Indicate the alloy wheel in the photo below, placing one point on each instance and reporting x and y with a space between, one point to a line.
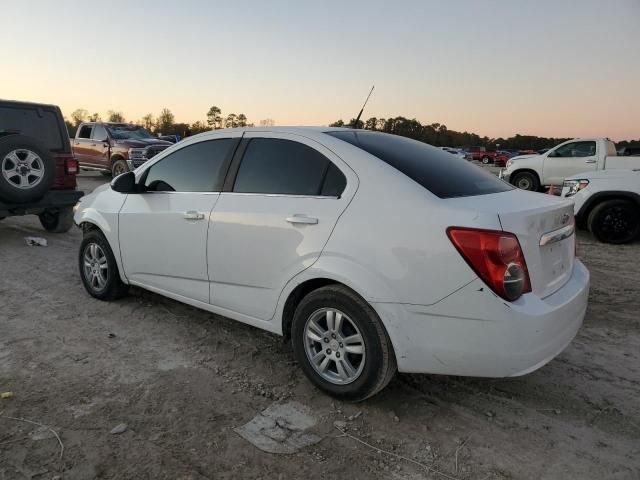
334 346
96 267
22 168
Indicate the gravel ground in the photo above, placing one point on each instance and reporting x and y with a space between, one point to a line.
181 379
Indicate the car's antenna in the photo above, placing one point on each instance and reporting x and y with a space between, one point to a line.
355 124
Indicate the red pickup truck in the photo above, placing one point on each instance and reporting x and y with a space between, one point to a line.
481 154
114 148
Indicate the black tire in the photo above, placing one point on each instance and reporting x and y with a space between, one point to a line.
526 181
118 168
57 221
615 221
113 288
20 158
485 160
378 362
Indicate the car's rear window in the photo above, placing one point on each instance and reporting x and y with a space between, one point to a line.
40 123
441 173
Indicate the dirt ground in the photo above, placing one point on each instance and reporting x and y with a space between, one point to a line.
181 379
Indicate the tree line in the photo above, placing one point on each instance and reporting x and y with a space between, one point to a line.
439 135
435 133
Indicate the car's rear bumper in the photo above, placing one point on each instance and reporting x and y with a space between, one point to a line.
53 199
474 333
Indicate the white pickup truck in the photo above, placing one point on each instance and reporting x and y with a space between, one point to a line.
532 172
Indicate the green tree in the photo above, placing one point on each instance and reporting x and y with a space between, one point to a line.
95 117
339 123
242 120
231 121
165 122
199 127
147 122
214 117
113 116
78 116
371 124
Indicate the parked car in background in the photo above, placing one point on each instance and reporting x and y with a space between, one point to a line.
170 138
114 148
533 172
480 154
454 151
486 283
37 168
629 151
606 202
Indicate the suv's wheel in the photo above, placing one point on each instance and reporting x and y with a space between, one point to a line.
341 344
98 268
526 181
58 221
27 169
119 167
615 221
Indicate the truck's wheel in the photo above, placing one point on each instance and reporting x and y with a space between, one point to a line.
486 160
27 169
119 167
615 221
59 221
526 181
341 344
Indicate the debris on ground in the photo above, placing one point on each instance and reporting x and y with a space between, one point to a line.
7 395
36 241
281 428
118 429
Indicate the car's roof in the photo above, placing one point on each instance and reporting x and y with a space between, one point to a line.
30 104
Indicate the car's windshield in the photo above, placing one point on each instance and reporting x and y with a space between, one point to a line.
125 132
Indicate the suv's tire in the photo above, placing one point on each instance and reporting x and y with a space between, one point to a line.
98 268
57 221
526 181
118 168
27 169
353 360
615 221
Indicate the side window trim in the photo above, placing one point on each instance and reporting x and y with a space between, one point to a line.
235 141
232 173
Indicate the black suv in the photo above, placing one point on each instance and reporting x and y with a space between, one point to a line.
37 168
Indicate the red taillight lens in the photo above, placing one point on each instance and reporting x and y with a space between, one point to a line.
496 257
71 165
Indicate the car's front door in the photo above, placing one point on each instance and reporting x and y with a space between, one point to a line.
284 203
98 150
163 230
569 159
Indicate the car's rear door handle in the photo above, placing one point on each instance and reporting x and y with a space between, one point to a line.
298 218
193 215
589 161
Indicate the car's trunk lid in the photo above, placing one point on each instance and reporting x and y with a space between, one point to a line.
544 227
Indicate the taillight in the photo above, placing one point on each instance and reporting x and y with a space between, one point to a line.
71 166
496 257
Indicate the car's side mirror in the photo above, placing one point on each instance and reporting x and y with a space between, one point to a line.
124 183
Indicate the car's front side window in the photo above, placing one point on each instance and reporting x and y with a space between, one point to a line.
99 133
285 167
198 167
576 149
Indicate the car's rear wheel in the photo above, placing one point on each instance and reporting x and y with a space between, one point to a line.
98 268
57 221
615 221
526 181
341 344
27 169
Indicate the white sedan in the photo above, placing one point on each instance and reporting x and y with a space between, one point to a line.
371 252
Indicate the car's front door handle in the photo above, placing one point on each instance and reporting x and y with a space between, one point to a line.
298 218
193 215
589 161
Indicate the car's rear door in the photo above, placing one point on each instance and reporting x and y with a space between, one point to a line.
285 195
163 230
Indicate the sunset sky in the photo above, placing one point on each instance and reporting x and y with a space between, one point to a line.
553 68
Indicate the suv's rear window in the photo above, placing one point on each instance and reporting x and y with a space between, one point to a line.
441 173
42 125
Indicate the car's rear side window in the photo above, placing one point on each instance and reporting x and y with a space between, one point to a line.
441 173
39 123
285 167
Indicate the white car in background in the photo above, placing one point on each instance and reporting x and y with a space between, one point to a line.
371 252
607 203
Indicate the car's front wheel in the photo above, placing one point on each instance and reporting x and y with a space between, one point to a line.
526 181
98 268
615 221
341 344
